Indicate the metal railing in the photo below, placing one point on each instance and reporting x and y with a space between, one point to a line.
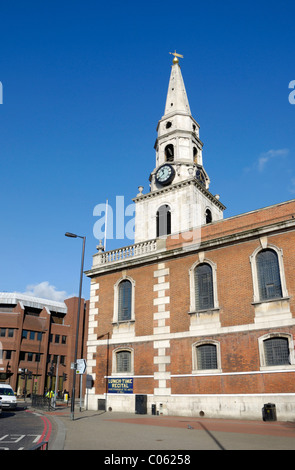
39 401
41 446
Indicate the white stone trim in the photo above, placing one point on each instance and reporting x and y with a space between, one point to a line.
161 359
92 337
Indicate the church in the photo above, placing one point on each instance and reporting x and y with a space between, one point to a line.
197 317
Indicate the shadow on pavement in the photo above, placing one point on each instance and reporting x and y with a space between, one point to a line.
211 436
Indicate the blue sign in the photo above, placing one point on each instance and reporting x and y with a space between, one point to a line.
120 385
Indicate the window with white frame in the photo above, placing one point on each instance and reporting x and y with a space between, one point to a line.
122 362
124 292
206 356
208 216
276 350
124 300
163 221
203 286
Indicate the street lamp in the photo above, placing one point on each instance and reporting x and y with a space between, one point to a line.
73 235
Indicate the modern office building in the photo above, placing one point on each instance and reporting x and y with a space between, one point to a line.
37 342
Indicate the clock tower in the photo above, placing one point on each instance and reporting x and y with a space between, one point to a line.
179 199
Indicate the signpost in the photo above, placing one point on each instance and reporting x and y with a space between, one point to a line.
81 366
56 383
80 370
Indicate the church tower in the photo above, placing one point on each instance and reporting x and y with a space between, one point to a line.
161 325
179 198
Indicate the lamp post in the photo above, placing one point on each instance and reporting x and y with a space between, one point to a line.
73 235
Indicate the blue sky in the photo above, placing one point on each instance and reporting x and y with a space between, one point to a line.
84 85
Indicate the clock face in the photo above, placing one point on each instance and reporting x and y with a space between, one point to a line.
200 177
165 174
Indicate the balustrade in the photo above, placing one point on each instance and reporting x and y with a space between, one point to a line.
124 253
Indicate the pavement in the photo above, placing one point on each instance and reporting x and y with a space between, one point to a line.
114 431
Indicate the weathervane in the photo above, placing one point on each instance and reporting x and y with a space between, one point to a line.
175 60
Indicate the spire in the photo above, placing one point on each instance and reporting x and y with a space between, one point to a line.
178 139
177 101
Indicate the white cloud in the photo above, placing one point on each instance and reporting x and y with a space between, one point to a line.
45 291
267 156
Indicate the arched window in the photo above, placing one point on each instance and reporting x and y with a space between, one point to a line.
169 153
124 300
208 216
204 287
163 220
195 155
206 356
268 275
276 351
123 361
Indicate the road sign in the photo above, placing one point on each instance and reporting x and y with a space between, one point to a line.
89 381
81 366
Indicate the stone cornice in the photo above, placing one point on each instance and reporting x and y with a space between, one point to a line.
177 186
187 249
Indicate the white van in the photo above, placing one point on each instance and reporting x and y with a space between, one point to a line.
7 397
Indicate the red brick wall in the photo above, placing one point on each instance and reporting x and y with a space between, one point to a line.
243 222
239 351
234 281
143 365
144 295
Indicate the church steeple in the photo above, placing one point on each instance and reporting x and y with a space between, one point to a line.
176 101
179 199
178 140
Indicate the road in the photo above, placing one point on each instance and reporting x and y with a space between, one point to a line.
23 429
